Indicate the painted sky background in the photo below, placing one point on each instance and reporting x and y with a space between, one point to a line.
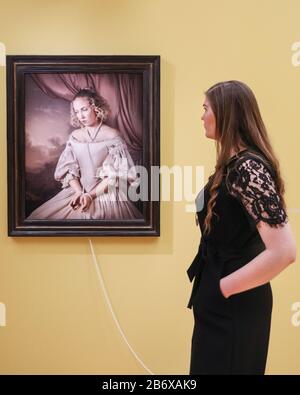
47 126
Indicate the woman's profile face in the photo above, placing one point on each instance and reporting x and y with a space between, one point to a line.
84 112
209 120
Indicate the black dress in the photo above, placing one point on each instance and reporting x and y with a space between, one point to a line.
231 336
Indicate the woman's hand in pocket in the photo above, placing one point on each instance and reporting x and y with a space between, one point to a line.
223 287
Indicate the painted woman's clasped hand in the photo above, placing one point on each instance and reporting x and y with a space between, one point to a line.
85 201
81 200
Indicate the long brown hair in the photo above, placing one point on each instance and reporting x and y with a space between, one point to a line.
238 125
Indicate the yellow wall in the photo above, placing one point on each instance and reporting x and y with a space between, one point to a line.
57 319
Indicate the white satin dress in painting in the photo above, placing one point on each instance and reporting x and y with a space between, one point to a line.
90 163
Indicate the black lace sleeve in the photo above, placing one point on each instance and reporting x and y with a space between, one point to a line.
253 185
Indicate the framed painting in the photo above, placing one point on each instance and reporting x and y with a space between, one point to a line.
83 138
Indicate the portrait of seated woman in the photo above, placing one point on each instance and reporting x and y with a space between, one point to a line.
95 168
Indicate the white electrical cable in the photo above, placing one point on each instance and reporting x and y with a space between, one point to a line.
98 271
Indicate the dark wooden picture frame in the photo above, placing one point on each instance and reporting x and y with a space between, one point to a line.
38 108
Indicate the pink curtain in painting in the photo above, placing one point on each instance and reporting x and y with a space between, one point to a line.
123 93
